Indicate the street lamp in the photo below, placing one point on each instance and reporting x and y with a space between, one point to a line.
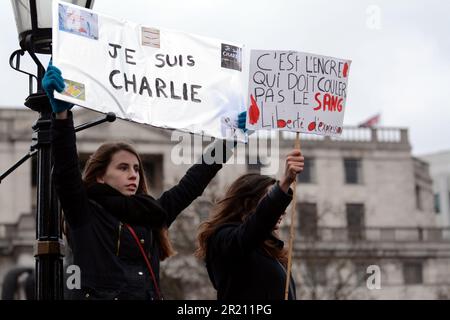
34 26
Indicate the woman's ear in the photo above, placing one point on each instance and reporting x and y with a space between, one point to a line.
100 179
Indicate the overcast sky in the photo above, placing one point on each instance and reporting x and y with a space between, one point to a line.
400 49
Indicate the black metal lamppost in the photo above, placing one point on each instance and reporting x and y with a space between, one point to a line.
34 25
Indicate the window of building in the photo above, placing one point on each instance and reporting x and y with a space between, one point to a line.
355 221
308 173
307 213
253 167
316 274
353 172
153 166
437 203
412 273
361 274
448 199
418 194
203 209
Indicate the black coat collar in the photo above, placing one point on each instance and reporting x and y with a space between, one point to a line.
139 209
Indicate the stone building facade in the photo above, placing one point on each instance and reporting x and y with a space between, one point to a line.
365 223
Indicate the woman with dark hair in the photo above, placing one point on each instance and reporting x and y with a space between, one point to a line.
117 232
244 256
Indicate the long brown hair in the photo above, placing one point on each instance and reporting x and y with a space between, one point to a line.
96 167
240 201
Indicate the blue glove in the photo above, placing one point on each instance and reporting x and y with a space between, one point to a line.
242 120
53 80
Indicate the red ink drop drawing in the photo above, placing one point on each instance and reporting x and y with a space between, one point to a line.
281 123
253 111
345 71
312 126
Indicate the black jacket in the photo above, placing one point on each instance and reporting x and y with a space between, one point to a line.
238 266
111 264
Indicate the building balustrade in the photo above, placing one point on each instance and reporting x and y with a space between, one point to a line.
374 234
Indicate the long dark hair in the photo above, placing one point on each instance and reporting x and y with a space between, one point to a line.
96 167
240 201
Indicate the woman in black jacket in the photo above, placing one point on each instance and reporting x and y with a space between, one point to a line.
244 257
117 232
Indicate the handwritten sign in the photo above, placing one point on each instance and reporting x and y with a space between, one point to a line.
149 75
296 91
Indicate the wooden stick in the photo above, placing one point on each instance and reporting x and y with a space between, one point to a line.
292 229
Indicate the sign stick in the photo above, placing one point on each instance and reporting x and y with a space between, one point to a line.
292 229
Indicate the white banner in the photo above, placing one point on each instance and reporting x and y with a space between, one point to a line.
149 75
296 91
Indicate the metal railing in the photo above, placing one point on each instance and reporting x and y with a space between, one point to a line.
357 134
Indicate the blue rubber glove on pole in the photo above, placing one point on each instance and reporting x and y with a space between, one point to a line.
242 119
53 80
